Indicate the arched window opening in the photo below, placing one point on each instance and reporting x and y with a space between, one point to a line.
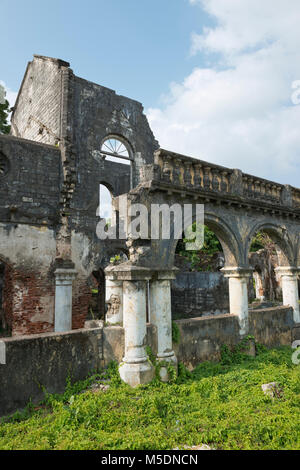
97 305
200 288
116 150
105 208
264 258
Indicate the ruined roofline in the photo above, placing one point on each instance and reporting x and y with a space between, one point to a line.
110 90
62 63
59 62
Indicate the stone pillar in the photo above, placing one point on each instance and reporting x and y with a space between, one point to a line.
161 317
114 300
63 299
290 296
238 295
259 290
136 368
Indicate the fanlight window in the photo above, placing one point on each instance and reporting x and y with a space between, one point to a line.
115 151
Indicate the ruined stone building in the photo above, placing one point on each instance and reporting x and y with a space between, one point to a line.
68 137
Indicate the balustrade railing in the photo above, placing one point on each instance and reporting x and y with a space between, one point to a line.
192 173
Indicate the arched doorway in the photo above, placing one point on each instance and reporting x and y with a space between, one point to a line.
268 249
200 288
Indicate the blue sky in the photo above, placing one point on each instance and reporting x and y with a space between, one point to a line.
216 77
136 47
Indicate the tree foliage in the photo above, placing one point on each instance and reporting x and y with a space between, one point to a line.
4 113
201 260
262 241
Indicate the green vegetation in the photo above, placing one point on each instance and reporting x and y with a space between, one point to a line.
175 333
219 404
263 241
4 113
201 260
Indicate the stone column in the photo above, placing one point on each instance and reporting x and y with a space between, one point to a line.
113 299
136 368
161 317
289 280
63 299
238 295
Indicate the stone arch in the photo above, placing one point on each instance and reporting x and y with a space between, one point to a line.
230 242
124 155
280 237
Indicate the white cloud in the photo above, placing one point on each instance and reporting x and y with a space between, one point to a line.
239 113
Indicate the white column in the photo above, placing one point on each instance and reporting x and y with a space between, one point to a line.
136 368
238 295
289 281
63 299
259 291
114 300
161 317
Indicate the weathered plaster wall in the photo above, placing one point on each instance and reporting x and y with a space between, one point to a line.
272 326
47 360
199 293
37 361
201 338
28 290
30 186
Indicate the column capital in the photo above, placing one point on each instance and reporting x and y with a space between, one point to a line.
237 272
291 271
65 276
165 274
128 272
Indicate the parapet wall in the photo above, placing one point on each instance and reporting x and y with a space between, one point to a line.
38 362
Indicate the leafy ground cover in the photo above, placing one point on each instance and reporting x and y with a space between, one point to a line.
218 404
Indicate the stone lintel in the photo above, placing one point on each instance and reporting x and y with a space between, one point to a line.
287 270
237 272
128 272
65 276
166 274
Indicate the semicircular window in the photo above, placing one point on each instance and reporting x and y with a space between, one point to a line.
4 165
116 151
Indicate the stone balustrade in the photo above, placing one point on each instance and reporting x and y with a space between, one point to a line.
194 174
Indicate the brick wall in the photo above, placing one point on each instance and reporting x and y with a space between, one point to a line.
82 295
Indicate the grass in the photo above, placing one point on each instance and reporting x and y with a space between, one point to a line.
219 404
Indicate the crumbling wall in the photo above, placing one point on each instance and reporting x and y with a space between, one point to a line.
38 107
199 293
47 360
28 293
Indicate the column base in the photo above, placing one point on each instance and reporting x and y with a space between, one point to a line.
165 362
135 374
